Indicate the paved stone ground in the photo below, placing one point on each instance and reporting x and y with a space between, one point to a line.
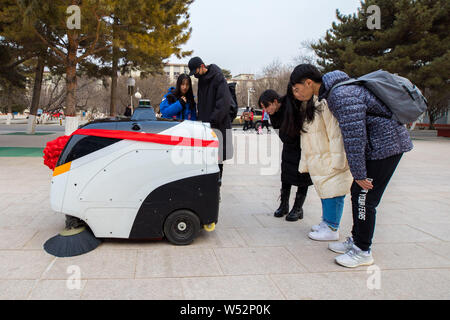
251 254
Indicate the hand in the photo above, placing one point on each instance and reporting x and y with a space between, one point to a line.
184 99
365 184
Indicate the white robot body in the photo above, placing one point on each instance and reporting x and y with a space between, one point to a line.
128 188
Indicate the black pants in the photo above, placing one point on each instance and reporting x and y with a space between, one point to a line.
221 170
247 125
364 203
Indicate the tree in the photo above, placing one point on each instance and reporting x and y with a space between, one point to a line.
29 49
49 22
113 36
274 76
13 81
11 69
12 98
413 42
144 33
152 87
227 74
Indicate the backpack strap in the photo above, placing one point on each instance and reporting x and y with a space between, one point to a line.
346 83
358 82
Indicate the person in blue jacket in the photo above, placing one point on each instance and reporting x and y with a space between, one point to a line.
179 102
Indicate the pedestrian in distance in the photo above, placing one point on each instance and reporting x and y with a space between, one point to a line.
265 120
127 112
246 117
252 117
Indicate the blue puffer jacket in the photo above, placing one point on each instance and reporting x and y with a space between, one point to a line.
367 136
171 107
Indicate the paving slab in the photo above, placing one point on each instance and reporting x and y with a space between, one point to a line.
23 264
255 287
14 238
57 290
360 285
133 289
15 289
243 261
98 264
177 262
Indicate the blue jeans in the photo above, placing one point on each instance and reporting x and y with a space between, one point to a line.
332 209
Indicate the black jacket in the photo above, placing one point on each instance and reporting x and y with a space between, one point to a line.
214 101
290 156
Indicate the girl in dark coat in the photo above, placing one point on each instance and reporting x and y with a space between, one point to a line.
280 111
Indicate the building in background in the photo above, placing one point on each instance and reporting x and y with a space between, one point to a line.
245 84
173 70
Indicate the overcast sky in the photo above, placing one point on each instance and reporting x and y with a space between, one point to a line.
246 35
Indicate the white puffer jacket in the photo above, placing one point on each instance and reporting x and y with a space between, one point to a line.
323 154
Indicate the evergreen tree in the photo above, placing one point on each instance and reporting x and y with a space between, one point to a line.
413 42
144 33
227 74
135 34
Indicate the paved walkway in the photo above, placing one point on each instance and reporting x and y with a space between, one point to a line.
250 255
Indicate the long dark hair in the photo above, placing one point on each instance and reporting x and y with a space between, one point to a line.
308 112
303 72
189 94
291 121
267 97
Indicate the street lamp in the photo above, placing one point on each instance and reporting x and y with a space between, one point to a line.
138 95
249 90
131 83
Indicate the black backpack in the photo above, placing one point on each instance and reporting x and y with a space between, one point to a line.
234 104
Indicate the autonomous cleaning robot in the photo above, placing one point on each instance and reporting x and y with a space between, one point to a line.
140 178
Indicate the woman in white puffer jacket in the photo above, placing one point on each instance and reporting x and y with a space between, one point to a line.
323 156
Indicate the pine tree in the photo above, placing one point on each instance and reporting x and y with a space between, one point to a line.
47 21
144 33
28 51
413 42
115 35
227 74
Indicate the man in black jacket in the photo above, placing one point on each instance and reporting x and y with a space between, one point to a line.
214 101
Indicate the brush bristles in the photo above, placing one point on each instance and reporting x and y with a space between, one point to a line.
70 246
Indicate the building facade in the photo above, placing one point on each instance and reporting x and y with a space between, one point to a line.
173 70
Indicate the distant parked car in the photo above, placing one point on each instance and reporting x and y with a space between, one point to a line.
257 116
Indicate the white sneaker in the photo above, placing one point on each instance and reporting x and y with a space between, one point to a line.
324 234
341 247
317 227
355 257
